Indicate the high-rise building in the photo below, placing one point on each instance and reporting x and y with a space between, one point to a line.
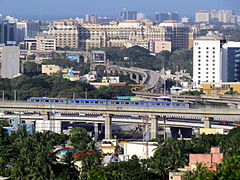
128 15
9 61
225 15
140 16
231 56
202 16
7 33
66 33
177 33
208 63
89 18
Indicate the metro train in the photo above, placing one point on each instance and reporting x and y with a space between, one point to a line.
101 102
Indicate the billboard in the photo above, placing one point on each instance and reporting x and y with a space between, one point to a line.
74 73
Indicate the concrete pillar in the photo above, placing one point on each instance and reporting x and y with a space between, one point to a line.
207 122
108 126
154 127
46 116
96 131
131 76
138 78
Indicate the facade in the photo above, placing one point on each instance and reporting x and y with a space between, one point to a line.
209 160
208 65
220 88
50 69
8 33
27 29
128 15
9 61
215 16
40 43
139 149
177 33
66 33
140 16
202 16
118 34
89 18
231 54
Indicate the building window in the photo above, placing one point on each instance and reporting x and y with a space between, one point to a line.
206 72
206 64
199 64
213 72
206 76
213 47
199 72
213 64
207 56
206 47
206 68
199 68
213 68
199 56
199 52
199 47
199 76
213 52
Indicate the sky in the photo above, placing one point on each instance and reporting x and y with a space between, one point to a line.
42 9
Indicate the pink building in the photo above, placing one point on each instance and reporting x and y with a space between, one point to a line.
210 160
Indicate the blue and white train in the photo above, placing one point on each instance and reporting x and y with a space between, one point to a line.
101 102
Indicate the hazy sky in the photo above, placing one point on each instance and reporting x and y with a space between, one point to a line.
73 8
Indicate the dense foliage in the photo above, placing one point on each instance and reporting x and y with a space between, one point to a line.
55 86
25 156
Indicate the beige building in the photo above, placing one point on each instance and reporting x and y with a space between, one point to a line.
119 34
50 69
202 16
66 33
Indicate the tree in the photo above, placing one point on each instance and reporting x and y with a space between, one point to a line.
31 68
80 140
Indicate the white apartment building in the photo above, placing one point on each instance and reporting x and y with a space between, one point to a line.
41 43
9 61
208 64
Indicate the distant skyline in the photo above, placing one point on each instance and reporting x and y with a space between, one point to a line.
50 9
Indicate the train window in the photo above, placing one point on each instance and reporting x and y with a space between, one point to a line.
57 101
96 102
136 103
77 101
117 102
86 101
37 100
127 103
46 100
